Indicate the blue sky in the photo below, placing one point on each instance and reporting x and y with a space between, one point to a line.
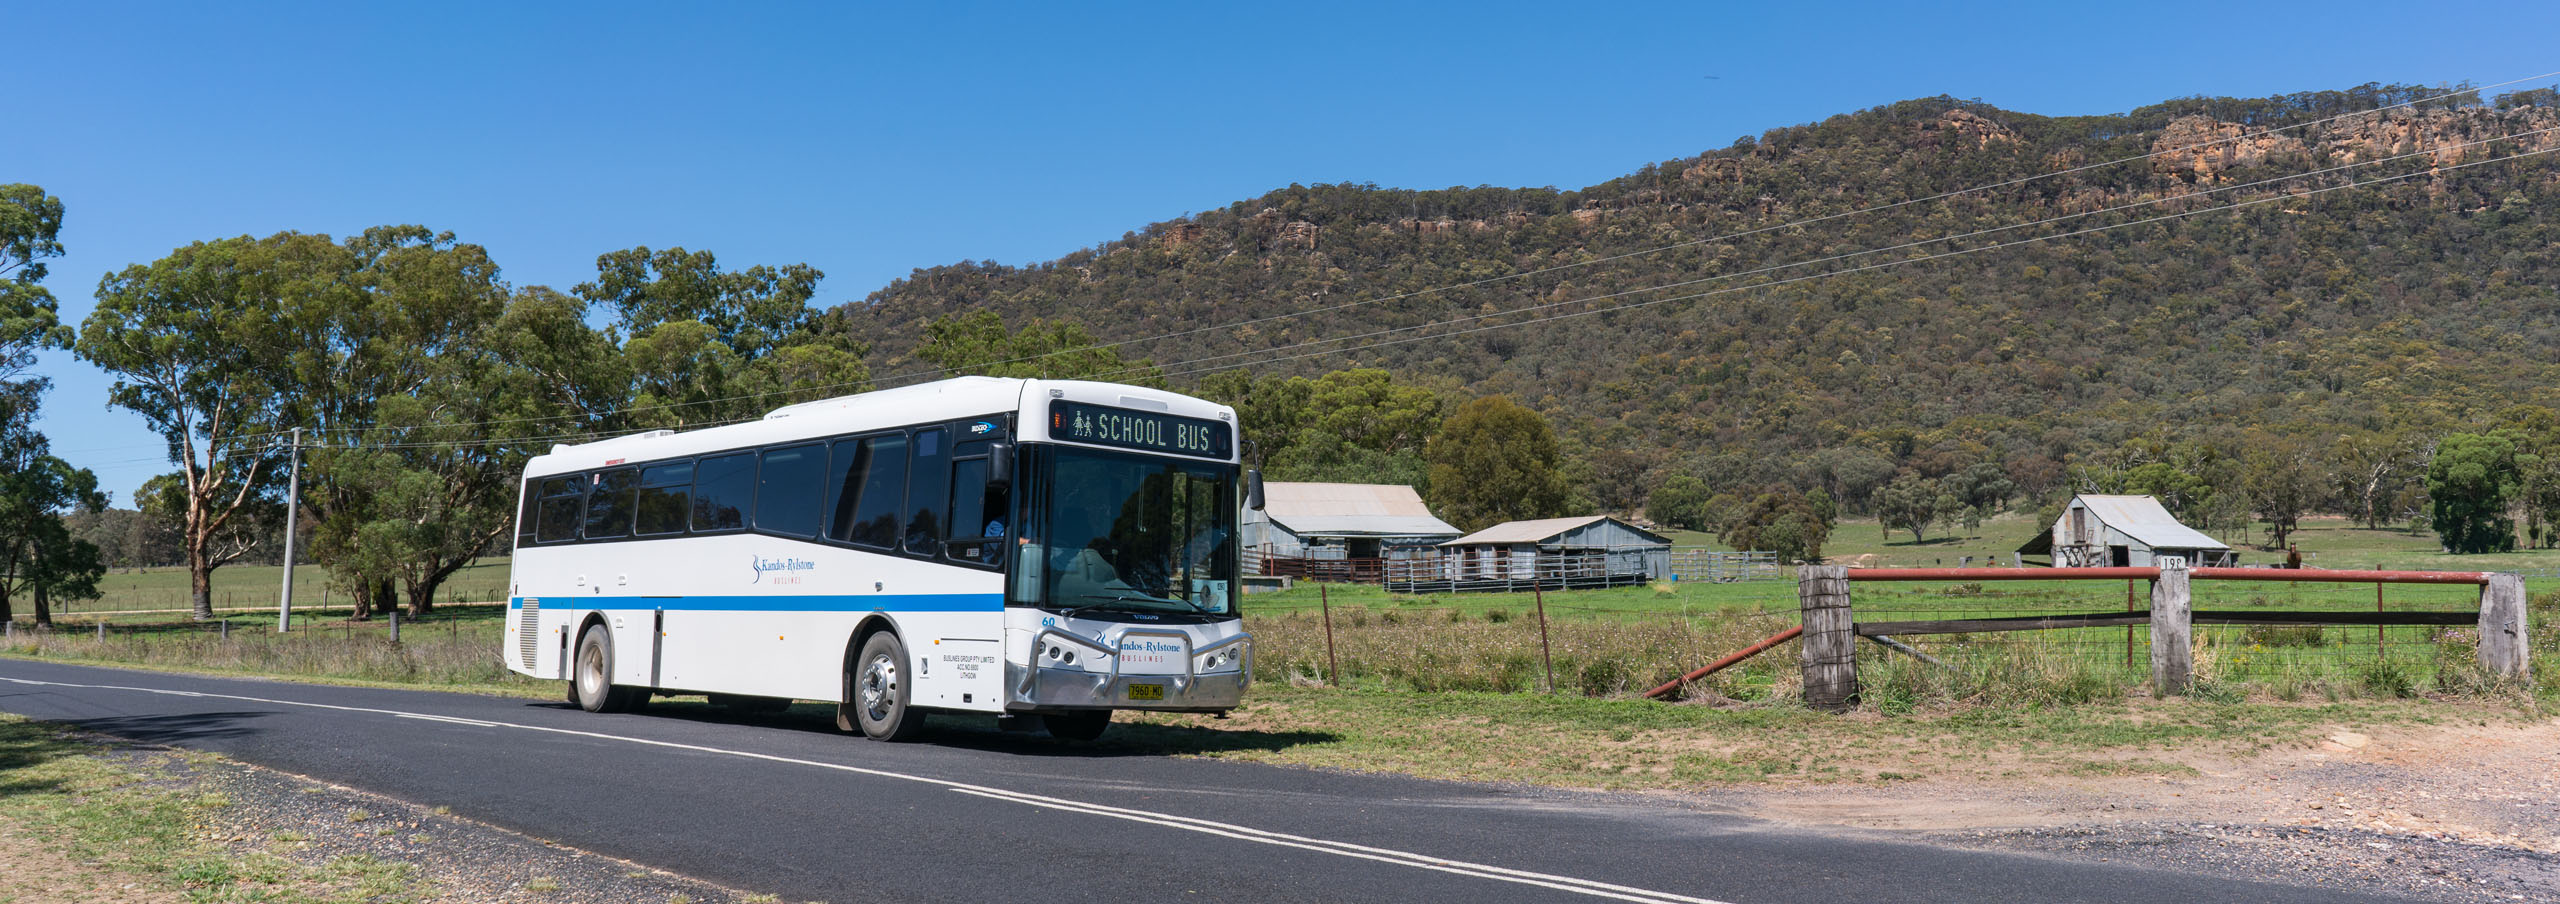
873 140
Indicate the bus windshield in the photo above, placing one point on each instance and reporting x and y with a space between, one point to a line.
1136 532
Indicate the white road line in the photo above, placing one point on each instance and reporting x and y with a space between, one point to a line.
1207 827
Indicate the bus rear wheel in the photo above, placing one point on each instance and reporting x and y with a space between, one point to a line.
1081 725
591 683
878 691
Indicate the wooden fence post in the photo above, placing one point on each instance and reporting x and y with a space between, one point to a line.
1830 637
2502 628
2173 652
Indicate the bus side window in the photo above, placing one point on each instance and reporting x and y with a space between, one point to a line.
979 533
526 514
784 504
609 504
723 491
563 498
928 492
872 479
662 499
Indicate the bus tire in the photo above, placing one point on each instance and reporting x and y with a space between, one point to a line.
591 681
880 694
1080 725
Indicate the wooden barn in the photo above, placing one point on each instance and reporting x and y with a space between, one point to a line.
1590 551
2097 530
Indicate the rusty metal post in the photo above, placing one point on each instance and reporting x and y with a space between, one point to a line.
2128 629
1543 652
1332 666
2377 626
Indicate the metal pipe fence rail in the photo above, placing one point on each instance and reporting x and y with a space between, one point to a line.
2232 620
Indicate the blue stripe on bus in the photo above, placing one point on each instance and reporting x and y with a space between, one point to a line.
875 602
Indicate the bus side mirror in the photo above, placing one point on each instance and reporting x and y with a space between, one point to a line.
1000 466
1253 490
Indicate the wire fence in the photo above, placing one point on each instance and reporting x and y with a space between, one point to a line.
459 647
2298 654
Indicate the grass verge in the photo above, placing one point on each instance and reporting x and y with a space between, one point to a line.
1639 745
99 813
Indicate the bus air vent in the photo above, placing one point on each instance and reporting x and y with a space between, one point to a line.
528 626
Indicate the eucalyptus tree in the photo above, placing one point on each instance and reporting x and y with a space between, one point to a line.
194 343
701 345
394 376
1495 460
30 226
39 557
979 343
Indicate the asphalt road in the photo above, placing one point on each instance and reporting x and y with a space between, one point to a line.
783 807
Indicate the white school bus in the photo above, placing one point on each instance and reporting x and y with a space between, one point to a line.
1049 548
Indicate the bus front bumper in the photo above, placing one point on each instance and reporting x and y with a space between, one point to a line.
1050 690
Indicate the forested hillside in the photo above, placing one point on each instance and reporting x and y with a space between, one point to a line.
2387 314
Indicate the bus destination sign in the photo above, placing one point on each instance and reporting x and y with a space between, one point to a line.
1145 430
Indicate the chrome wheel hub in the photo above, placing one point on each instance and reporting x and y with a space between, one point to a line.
879 688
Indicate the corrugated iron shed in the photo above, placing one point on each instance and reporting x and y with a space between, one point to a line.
1542 530
2144 519
1351 509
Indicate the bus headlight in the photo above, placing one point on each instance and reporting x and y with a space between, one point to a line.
1224 659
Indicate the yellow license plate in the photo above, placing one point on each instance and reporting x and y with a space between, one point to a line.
1146 692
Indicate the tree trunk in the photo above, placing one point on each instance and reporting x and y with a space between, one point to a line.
44 607
200 581
362 595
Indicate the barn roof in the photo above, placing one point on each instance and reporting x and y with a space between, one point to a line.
2143 518
1351 509
1541 530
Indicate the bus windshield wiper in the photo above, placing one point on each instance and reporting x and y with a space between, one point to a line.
1132 596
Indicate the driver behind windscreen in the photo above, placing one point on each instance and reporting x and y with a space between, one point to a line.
1086 567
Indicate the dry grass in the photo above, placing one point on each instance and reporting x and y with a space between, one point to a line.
1498 651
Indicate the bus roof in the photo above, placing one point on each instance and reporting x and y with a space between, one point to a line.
941 400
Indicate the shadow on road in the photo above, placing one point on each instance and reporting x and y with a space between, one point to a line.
173 729
973 732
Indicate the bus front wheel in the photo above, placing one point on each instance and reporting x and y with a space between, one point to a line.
591 684
880 691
